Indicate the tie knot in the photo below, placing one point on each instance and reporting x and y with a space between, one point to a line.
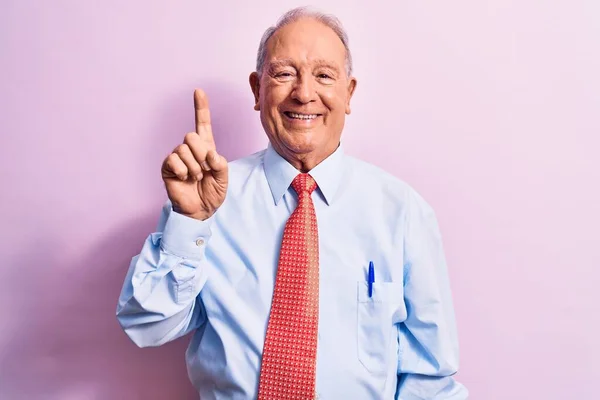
304 183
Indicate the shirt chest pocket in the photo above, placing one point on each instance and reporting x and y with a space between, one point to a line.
375 327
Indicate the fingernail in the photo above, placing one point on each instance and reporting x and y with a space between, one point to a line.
199 177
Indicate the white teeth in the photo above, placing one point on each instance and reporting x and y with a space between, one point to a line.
302 116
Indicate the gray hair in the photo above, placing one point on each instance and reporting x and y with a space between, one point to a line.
292 16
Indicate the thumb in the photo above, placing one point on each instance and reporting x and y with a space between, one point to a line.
218 165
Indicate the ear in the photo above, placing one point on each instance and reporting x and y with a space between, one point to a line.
255 86
351 88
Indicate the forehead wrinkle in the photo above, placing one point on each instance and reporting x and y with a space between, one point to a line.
292 35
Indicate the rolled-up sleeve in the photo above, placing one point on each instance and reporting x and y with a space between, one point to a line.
428 342
158 300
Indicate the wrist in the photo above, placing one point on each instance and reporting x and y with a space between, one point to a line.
203 216
186 236
200 216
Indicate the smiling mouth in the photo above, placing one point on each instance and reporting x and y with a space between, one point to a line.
298 116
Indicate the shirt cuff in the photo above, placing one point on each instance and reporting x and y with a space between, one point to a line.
185 236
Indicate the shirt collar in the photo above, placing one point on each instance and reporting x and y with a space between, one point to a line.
280 173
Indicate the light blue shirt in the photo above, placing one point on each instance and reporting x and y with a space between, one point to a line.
217 277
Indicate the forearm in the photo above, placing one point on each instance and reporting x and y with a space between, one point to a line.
155 306
427 362
424 387
428 354
158 303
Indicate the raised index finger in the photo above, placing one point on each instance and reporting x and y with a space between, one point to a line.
203 128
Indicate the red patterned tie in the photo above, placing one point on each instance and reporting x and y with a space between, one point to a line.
288 368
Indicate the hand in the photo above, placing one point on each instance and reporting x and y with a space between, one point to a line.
195 175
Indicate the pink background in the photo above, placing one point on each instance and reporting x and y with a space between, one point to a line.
489 108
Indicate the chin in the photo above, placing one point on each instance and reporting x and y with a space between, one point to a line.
300 149
301 143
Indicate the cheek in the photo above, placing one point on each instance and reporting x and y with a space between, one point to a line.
274 95
334 100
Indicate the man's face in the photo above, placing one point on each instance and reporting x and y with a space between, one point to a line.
304 92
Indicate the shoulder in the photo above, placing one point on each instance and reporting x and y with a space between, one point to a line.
392 189
375 178
245 169
245 165
246 175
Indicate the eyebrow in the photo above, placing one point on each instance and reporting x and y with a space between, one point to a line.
279 63
286 62
327 64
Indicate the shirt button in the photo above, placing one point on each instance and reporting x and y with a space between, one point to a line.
199 242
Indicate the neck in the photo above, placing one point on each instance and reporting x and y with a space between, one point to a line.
304 162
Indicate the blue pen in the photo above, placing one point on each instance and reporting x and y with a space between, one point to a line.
371 278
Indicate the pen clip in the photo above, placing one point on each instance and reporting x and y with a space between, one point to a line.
371 278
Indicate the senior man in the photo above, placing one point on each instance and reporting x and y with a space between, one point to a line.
305 273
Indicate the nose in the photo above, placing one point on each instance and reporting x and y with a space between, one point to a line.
304 90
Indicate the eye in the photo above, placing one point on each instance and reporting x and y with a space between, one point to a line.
324 76
284 76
